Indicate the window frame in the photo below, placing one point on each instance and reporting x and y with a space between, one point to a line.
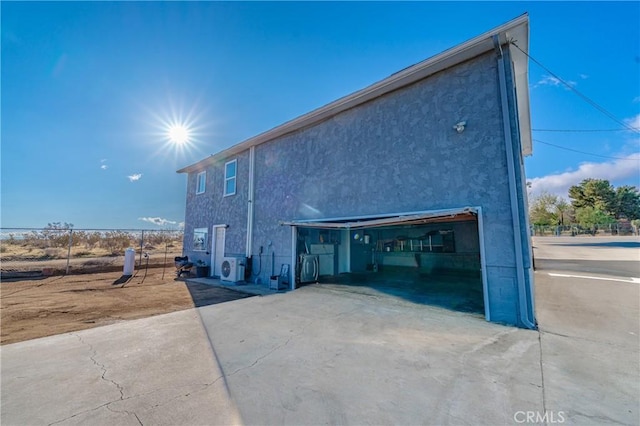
205 239
232 178
204 182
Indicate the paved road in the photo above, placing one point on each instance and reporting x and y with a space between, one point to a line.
325 355
595 255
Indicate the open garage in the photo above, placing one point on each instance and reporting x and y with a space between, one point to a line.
430 257
428 141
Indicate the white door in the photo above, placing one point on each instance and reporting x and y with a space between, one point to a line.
217 249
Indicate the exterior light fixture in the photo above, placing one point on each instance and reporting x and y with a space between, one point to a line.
459 126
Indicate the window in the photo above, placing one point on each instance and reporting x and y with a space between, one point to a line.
200 239
230 170
201 182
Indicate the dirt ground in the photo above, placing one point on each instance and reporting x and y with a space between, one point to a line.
32 308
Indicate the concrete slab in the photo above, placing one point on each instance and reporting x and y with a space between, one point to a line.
326 354
158 370
246 288
322 355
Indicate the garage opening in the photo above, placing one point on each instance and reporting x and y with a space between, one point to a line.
430 257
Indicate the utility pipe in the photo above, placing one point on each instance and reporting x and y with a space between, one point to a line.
517 231
250 196
294 260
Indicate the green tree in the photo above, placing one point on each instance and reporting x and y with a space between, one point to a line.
563 210
590 217
542 210
595 193
627 202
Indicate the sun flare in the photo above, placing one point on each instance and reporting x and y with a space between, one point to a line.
179 134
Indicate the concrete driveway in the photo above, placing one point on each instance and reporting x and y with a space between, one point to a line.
326 354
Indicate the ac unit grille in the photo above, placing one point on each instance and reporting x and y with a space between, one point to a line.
226 268
232 269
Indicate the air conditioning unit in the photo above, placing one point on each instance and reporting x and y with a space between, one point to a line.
232 269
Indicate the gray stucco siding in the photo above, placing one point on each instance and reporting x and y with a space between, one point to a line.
212 208
396 153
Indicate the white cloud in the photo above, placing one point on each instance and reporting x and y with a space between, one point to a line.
158 221
104 167
636 99
549 80
633 121
612 171
134 177
584 76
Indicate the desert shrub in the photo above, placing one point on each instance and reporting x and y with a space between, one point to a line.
35 239
116 241
54 253
92 239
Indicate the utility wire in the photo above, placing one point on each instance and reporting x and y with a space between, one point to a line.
581 130
584 97
587 153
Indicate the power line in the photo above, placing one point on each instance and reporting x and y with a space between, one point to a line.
584 97
587 153
581 130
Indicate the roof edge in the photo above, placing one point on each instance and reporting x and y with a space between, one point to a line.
450 57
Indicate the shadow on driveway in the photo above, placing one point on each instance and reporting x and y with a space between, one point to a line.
609 244
205 295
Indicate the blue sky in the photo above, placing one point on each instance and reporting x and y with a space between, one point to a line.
89 90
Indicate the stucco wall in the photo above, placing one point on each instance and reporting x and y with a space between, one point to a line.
212 208
396 153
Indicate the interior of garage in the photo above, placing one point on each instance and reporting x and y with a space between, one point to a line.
435 261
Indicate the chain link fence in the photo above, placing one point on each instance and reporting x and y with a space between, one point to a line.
63 251
574 230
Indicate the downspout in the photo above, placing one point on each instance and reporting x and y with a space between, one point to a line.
517 236
294 260
250 196
483 264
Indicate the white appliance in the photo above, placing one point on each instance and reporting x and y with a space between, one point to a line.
327 258
309 268
232 269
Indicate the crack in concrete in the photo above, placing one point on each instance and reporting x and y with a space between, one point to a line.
123 412
82 412
101 366
117 385
544 394
270 352
203 387
286 343
615 345
599 418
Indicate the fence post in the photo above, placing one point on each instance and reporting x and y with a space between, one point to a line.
69 249
166 249
141 246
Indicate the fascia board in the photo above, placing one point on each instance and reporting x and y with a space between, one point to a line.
520 36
